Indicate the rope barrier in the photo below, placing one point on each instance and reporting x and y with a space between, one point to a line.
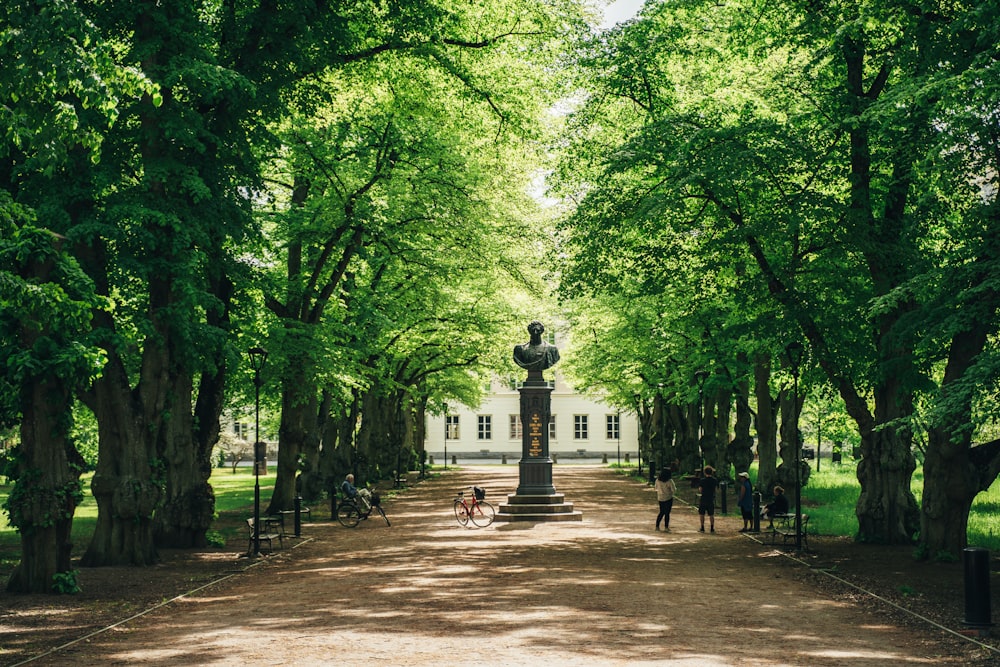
147 611
882 599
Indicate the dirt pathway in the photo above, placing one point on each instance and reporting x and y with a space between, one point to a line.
607 591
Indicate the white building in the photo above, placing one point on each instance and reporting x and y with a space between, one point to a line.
581 427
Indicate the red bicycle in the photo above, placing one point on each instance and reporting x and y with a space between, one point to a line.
477 509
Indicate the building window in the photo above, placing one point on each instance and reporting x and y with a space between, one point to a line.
613 427
580 427
485 427
241 430
515 427
451 427
552 427
514 384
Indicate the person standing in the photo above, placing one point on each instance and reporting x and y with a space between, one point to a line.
665 490
744 500
708 484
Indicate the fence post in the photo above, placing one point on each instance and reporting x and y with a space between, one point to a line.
756 511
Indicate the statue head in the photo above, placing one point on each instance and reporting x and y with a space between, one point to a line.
536 327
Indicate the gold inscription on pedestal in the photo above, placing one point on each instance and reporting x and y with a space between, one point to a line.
535 435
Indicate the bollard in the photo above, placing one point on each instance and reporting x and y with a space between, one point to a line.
756 511
454 460
626 457
298 515
977 586
722 492
555 458
503 459
430 459
604 458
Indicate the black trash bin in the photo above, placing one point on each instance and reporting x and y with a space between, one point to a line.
977 586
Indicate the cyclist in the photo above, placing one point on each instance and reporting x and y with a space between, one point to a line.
362 496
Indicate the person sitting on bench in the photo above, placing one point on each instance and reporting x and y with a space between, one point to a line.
777 506
361 496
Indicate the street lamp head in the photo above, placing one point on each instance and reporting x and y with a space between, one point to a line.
794 352
258 356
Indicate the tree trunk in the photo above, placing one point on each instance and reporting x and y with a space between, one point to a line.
312 480
790 447
684 419
951 483
740 450
299 407
188 507
887 511
709 444
648 436
126 484
46 465
663 433
954 471
375 456
47 488
420 430
767 451
723 402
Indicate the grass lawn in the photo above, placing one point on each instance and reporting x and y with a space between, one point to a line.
233 504
831 494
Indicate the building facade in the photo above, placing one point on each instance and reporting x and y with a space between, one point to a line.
581 427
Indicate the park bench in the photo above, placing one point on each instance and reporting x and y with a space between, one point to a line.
279 517
783 526
264 536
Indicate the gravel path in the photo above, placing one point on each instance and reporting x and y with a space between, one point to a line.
605 591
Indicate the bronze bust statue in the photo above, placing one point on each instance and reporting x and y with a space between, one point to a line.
536 354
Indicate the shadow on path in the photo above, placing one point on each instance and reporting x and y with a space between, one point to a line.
605 591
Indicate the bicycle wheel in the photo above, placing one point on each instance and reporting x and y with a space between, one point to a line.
382 512
483 514
461 512
348 515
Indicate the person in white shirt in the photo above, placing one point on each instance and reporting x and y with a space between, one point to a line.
665 490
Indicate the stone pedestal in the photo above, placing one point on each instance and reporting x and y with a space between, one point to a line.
536 498
551 507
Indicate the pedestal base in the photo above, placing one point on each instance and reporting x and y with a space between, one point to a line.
539 508
535 477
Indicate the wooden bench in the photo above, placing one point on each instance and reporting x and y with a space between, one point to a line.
304 513
785 529
265 536
279 518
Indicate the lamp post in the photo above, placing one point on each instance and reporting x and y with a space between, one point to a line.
794 351
258 356
446 436
700 378
618 436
